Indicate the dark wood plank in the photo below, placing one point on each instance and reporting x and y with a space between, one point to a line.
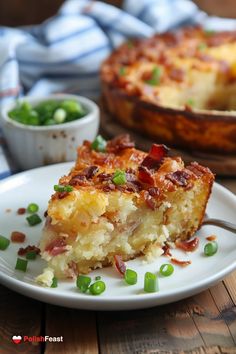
226 307
200 350
230 283
78 329
156 330
19 315
209 321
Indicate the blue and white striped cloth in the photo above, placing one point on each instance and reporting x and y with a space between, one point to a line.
64 53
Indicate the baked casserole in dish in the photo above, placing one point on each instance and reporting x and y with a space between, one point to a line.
178 88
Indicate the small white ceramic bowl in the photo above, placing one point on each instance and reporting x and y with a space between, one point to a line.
33 146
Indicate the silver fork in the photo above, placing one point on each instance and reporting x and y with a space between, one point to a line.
220 223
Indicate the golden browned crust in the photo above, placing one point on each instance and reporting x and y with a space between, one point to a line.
138 106
151 175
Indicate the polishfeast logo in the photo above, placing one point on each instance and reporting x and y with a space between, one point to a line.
17 339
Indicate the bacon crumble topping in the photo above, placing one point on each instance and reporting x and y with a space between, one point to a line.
24 250
97 169
119 143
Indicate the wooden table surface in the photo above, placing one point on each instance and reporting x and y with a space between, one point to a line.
205 323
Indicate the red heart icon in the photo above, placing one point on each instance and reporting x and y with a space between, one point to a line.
16 339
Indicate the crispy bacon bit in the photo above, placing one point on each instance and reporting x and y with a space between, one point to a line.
18 237
21 211
101 158
23 251
155 156
145 176
211 238
188 246
119 264
130 170
79 179
157 152
105 176
177 74
119 143
134 186
154 191
109 187
62 195
57 246
180 178
87 143
150 201
166 250
180 263
90 171
197 169
146 75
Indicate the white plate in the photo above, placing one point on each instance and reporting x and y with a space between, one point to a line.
37 186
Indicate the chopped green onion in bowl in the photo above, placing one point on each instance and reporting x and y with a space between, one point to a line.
48 112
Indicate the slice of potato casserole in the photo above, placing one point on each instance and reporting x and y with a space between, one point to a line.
118 200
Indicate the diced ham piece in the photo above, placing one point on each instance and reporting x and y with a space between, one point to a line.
188 246
57 246
120 265
166 250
